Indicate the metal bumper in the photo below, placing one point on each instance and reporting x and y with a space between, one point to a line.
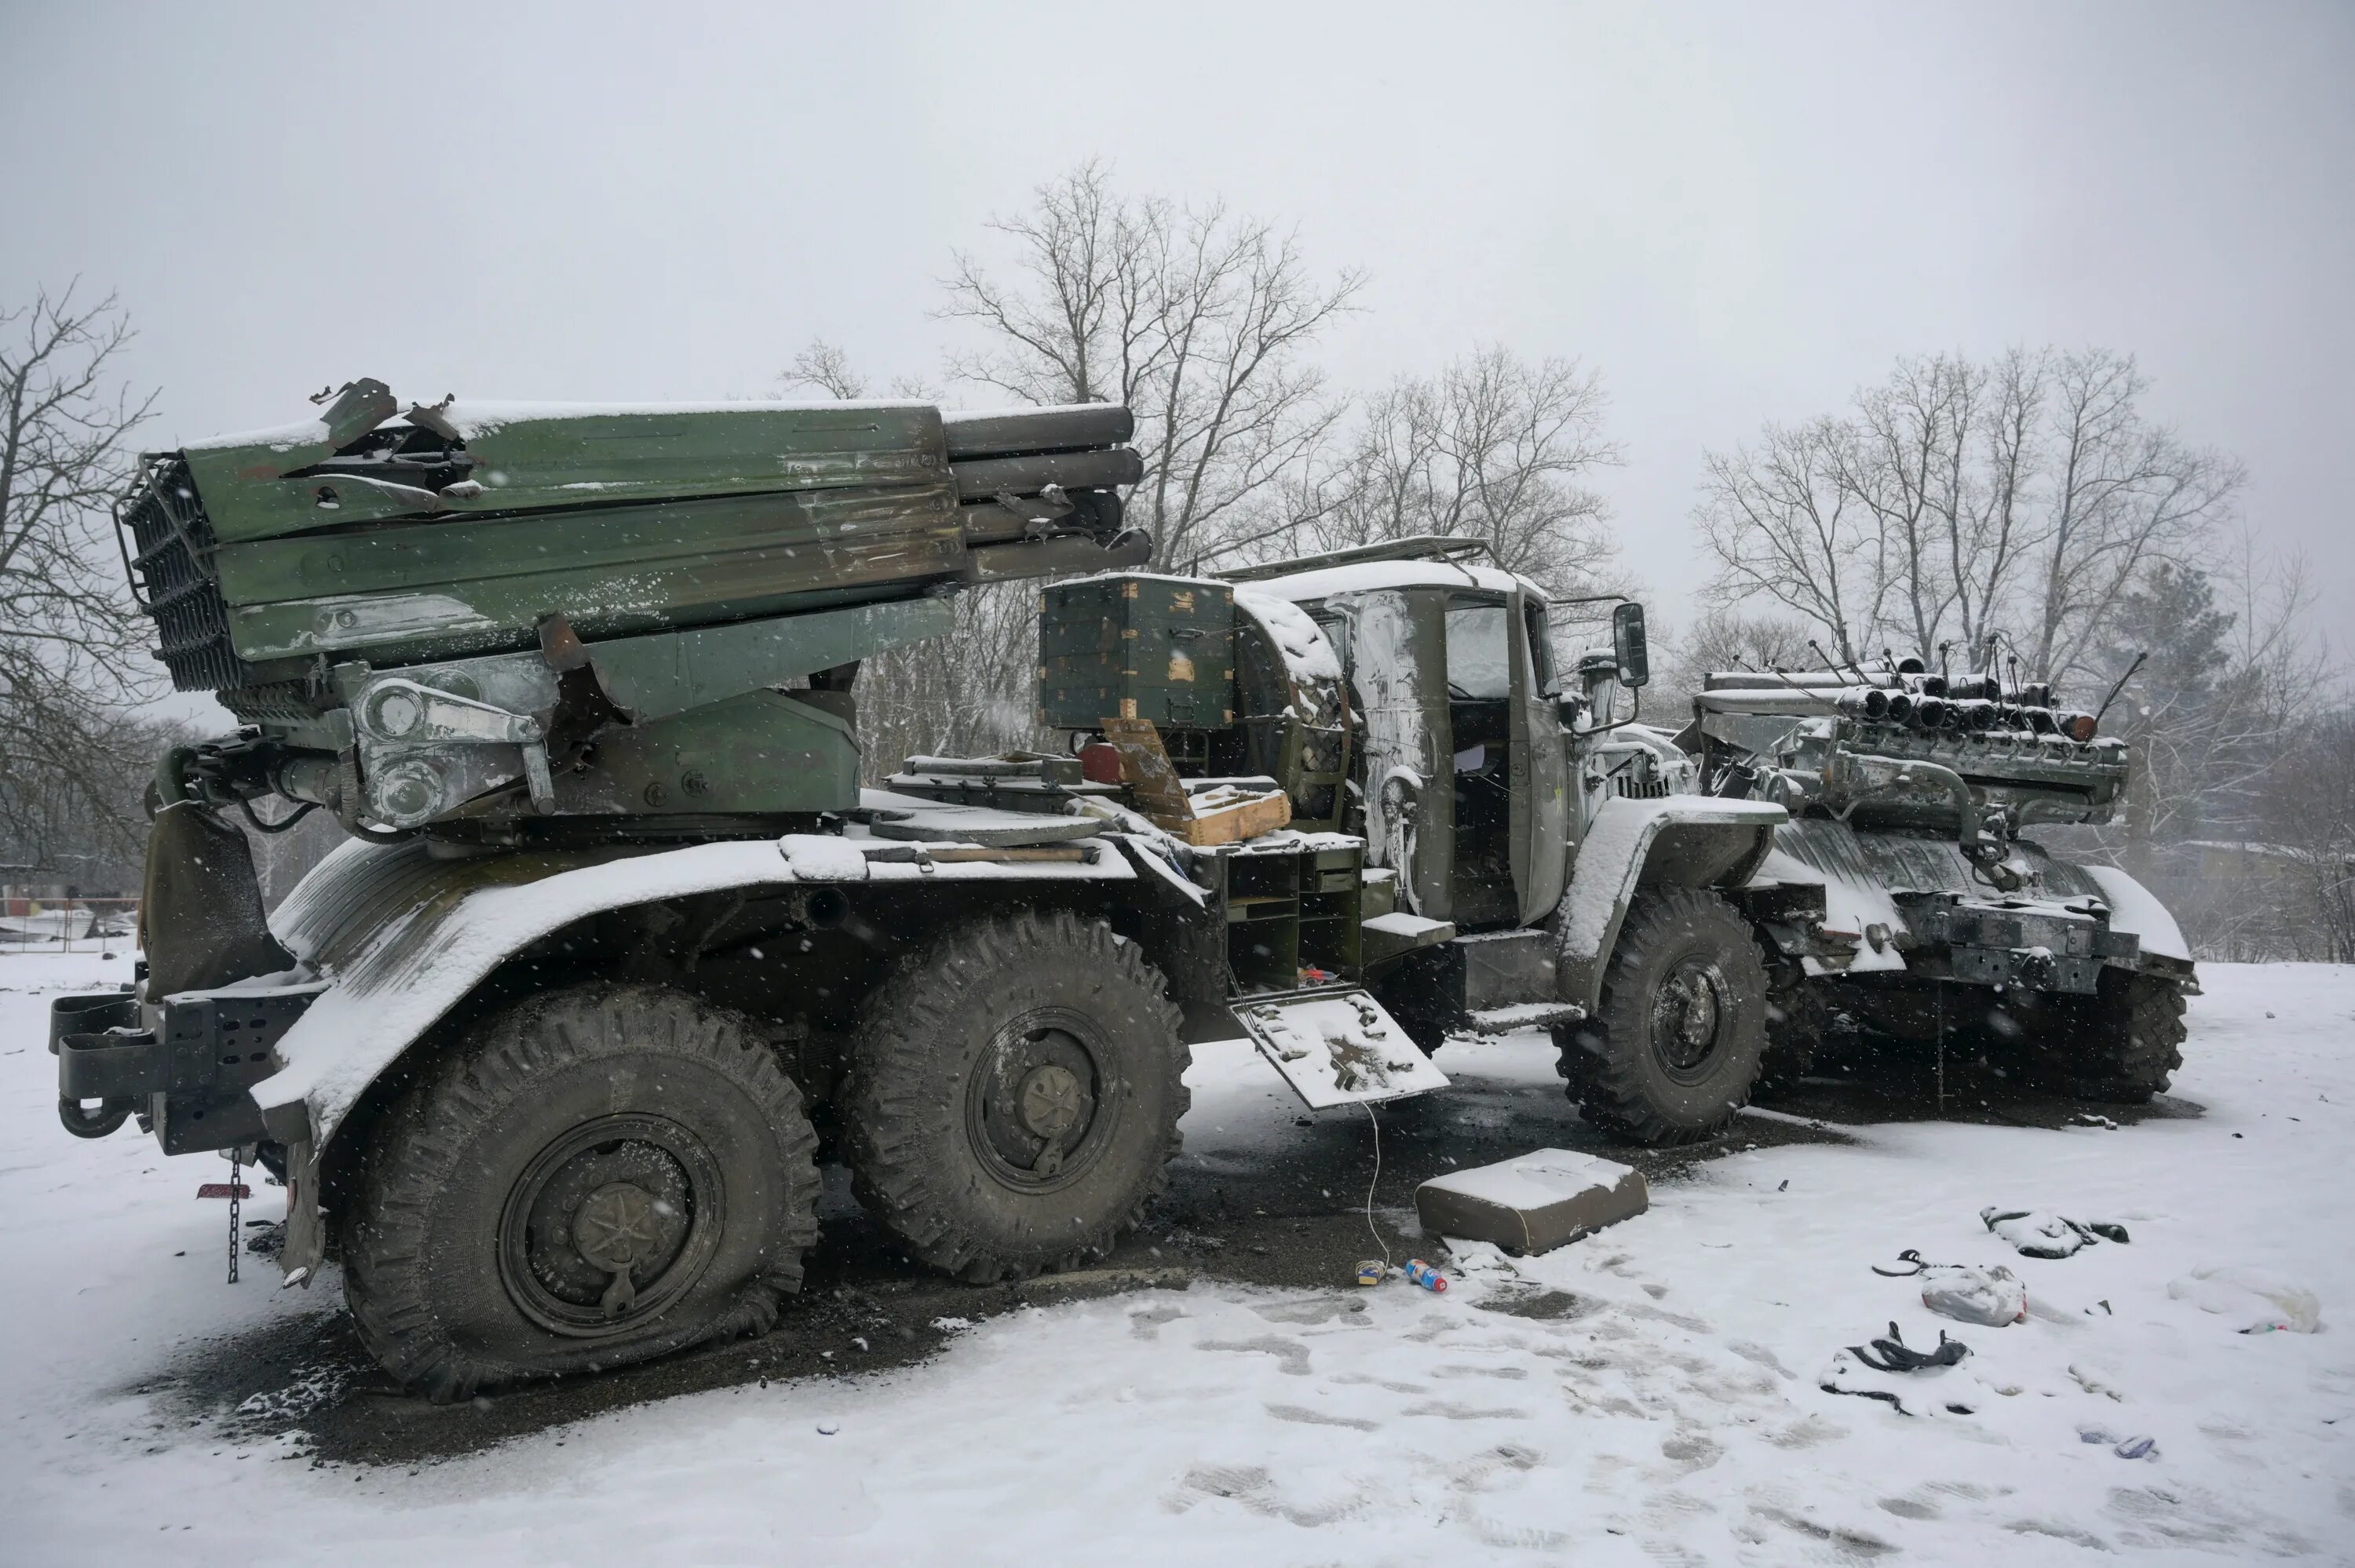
184 1066
2033 948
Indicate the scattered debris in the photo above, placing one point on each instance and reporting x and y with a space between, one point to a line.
2039 1233
1993 1297
1421 1273
1893 1356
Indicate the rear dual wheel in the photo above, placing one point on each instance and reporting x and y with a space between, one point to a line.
594 1177
1013 1097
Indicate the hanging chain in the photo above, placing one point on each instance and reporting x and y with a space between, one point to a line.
235 1225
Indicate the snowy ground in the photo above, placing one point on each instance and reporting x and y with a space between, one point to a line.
1644 1396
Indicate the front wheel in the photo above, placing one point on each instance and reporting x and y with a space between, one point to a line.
595 1177
1673 1049
2121 1044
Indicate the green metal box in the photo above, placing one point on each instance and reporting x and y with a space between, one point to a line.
1132 645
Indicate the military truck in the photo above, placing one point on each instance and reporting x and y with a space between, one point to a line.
547 1053
1904 903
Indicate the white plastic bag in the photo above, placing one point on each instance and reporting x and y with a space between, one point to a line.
1993 1297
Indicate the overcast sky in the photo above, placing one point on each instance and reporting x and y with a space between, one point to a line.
1735 215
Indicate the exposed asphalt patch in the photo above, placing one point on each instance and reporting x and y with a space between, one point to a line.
1283 1213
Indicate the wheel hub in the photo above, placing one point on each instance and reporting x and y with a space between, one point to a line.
610 1223
1687 1018
1051 1101
621 1226
1032 1112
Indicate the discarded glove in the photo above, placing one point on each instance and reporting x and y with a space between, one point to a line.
1994 1296
1895 1356
2039 1233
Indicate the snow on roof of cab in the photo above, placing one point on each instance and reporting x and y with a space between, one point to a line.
1369 575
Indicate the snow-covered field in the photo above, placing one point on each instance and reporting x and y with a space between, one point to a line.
1649 1396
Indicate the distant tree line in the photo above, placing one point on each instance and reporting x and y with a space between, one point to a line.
73 660
2022 513
2024 516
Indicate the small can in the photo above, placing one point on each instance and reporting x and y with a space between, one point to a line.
1422 1274
1372 1272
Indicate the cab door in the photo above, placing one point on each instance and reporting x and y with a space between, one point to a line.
1539 771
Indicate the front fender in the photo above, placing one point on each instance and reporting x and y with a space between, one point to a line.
1693 840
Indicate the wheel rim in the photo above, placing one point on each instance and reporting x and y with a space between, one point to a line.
609 1225
1691 1017
1036 1114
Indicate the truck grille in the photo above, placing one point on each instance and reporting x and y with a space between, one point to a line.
170 558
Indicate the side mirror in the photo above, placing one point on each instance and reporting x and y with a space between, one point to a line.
1628 646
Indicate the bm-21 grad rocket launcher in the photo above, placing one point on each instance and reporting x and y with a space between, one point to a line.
400 607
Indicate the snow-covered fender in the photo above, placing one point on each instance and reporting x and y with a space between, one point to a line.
2135 908
403 937
1693 841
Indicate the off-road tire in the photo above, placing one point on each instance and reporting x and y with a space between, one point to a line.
1612 1063
2121 1044
931 1058
433 1285
1797 1018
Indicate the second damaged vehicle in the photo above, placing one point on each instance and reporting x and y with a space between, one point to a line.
542 1053
1908 900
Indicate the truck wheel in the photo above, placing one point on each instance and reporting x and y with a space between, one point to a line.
1798 1018
1671 1052
1013 1097
2121 1044
594 1177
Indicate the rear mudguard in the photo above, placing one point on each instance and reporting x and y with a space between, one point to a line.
403 937
1694 841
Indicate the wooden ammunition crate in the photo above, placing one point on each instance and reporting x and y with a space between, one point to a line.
1136 646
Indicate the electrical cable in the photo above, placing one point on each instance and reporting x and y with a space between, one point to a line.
1370 1227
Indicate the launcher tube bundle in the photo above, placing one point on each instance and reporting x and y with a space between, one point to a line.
471 616
1907 748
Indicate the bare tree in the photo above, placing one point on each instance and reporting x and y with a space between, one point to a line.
968 693
70 649
1492 448
1198 318
1722 639
2119 494
1786 527
2011 503
2310 816
822 367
